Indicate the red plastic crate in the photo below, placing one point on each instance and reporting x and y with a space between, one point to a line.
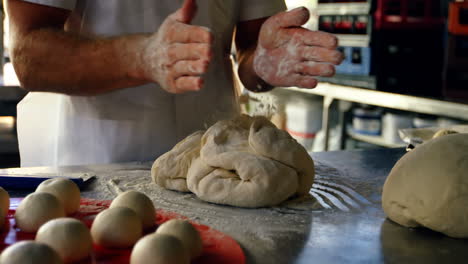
458 18
407 14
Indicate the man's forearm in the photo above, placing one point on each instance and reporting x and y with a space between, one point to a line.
55 61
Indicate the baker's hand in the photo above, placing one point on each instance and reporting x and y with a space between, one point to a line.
178 53
290 55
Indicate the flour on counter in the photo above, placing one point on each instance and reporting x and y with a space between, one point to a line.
283 228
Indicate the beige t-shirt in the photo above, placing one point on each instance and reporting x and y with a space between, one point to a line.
139 123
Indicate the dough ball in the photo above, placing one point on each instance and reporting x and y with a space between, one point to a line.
36 209
159 249
118 227
29 252
66 191
444 132
186 233
170 169
428 187
138 202
4 201
69 237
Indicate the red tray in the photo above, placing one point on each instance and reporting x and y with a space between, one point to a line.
217 247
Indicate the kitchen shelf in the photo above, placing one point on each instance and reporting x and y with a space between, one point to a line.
408 103
389 100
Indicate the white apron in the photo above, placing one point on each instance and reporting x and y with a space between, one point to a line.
138 123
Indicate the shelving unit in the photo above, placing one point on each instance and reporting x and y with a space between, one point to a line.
331 92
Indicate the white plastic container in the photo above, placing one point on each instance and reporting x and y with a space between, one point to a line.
367 121
304 119
392 122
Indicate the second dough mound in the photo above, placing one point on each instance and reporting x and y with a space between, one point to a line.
429 187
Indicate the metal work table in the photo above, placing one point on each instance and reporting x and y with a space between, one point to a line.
331 92
353 229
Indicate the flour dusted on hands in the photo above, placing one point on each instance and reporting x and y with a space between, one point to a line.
290 55
245 161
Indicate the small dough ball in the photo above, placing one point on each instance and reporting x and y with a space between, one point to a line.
4 201
138 202
159 249
428 187
117 227
69 237
184 231
29 252
66 191
36 209
444 132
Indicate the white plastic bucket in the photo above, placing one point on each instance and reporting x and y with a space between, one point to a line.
304 119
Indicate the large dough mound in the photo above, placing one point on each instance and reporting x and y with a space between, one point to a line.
246 180
170 170
248 162
429 187
245 161
266 140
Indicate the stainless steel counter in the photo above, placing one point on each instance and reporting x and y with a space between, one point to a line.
347 226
